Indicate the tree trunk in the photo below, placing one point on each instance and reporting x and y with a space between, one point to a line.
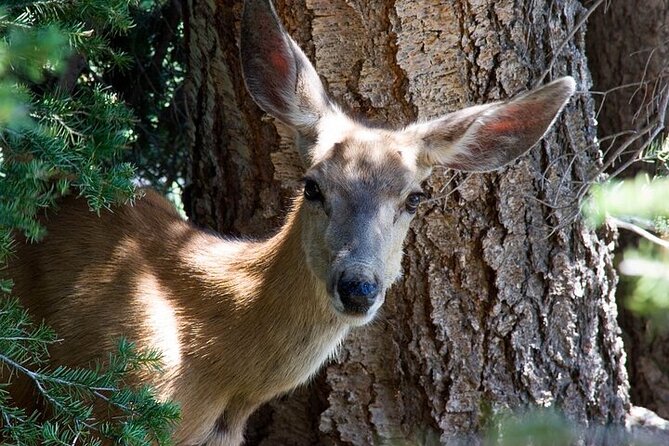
506 301
638 56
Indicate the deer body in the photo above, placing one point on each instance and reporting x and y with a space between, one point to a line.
205 302
240 322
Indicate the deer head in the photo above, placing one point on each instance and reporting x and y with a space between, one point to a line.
362 184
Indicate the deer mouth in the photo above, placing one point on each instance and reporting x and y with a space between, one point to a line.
356 297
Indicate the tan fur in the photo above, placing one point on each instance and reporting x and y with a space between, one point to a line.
235 328
241 322
238 322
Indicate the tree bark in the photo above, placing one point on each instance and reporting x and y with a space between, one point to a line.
506 301
628 44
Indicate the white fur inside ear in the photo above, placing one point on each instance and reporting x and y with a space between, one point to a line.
487 137
443 139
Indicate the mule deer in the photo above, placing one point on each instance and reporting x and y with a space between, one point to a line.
241 322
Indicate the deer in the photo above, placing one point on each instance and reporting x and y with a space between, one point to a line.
240 322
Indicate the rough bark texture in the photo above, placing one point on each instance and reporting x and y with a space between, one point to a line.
628 43
233 185
505 300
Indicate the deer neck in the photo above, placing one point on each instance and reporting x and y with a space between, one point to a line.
279 314
286 287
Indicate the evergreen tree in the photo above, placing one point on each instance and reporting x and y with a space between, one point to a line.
63 130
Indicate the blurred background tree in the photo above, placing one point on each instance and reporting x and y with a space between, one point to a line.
628 52
640 206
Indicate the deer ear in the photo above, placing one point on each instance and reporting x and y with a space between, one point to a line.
486 137
278 75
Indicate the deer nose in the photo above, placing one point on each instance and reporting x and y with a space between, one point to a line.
357 296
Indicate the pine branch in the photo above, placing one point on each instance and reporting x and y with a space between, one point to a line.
63 131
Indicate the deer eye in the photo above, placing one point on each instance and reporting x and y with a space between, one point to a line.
413 200
311 190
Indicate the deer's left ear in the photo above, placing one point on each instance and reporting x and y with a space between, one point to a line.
278 75
486 137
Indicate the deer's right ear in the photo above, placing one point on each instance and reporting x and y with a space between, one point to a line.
278 75
486 137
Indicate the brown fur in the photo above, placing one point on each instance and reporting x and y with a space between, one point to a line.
238 322
241 322
244 332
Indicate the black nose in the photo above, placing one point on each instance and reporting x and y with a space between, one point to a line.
357 295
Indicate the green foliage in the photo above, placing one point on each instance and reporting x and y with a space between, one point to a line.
151 86
641 205
537 427
52 139
641 197
64 129
134 417
647 276
658 154
547 426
